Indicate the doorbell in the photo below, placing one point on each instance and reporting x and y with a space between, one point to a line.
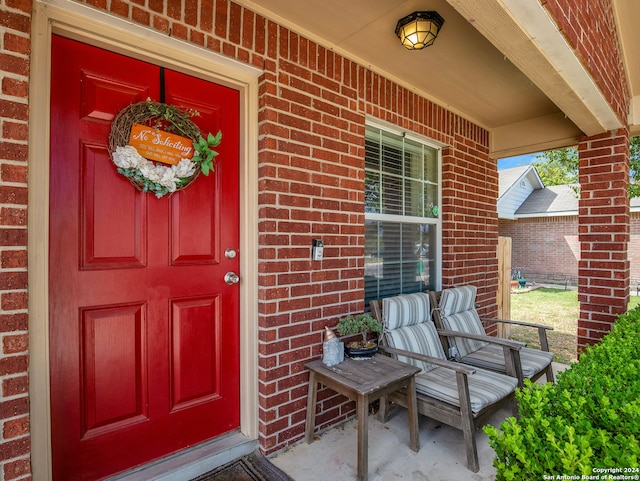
316 249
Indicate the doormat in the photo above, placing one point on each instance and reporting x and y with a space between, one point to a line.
252 467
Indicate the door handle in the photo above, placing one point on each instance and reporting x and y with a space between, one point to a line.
231 278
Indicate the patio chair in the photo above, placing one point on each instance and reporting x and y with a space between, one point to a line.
454 312
451 393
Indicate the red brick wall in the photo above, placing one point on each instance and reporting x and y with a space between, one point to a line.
470 219
15 24
603 233
545 248
312 186
312 110
589 27
312 107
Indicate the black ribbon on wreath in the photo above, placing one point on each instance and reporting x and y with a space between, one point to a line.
162 86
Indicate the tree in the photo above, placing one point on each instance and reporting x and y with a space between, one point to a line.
560 166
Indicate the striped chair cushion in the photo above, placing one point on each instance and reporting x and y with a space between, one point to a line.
485 387
406 310
492 357
419 338
458 312
458 299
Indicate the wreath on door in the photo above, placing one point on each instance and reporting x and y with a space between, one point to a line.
159 149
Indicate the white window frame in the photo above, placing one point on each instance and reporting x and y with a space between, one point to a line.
406 219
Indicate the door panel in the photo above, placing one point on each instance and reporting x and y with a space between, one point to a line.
107 244
144 332
100 93
114 373
193 340
198 210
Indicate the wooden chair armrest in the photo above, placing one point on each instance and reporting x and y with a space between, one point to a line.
511 350
515 345
519 323
542 330
457 367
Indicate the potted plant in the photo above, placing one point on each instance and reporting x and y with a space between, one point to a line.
362 324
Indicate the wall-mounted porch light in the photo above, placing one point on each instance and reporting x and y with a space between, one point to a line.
419 29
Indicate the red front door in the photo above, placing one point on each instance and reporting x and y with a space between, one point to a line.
144 332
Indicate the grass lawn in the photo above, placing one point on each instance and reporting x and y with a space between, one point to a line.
553 307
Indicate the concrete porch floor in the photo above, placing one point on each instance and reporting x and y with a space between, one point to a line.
333 456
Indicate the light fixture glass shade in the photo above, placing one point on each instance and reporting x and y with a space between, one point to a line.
419 30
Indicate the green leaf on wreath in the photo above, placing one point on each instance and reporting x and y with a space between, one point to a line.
206 166
214 141
204 153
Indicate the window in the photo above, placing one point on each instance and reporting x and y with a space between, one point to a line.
402 227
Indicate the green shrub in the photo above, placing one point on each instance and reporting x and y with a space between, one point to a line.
585 423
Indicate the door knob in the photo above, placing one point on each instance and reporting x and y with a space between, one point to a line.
231 278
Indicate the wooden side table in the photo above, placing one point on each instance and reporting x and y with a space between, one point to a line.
364 381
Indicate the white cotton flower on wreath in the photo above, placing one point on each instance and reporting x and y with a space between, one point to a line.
185 168
157 178
128 158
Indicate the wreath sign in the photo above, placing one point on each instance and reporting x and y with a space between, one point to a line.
148 131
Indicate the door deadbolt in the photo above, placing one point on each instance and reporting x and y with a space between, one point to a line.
231 278
230 253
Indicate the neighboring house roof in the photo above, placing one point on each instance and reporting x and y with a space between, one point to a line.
552 200
515 185
507 178
522 194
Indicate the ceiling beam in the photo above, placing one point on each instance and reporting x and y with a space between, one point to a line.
534 135
627 14
525 33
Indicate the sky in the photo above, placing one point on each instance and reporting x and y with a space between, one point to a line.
516 161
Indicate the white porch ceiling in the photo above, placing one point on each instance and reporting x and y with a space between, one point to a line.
499 63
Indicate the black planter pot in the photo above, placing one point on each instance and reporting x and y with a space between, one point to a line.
360 352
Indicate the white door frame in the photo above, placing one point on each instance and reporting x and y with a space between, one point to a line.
76 21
